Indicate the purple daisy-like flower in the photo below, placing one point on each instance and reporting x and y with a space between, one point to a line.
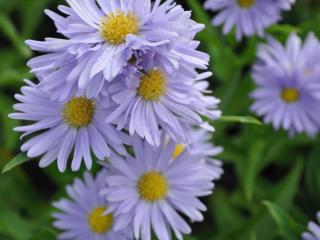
202 147
61 74
288 93
149 190
153 100
314 229
76 125
294 55
286 4
82 216
103 37
249 17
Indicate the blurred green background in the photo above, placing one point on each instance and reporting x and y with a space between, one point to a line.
271 185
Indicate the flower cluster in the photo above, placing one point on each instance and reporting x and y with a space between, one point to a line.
123 84
250 17
288 93
144 191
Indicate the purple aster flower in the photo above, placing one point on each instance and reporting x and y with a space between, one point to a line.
59 128
103 37
314 229
288 93
286 4
150 190
293 55
81 217
153 100
62 74
249 17
202 147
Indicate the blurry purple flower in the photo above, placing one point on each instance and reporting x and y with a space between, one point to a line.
249 17
288 93
149 191
74 125
286 4
294 55
103 36
82 217
314 229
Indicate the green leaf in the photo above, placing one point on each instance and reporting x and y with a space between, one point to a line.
13 77
284 29
16 161
9 30
288 227
14 225
251 168
228 64
240 119
10 137
30 24
282 194
7 6
226 217
312 176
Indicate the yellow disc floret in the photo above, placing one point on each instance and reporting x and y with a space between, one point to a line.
246 3
98 222
153 85
290 95
116 27
78 112
152 186
178 150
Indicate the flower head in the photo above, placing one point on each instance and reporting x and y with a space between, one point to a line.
249 17
60 128
82 216
152 100
149 190
286 4
288 93
314 229
202 147
102 38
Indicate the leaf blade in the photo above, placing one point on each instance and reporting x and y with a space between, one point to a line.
16 161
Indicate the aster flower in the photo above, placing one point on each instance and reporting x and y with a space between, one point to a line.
249 17
285 4
149 191
81 216
288 93
103 36
153 100
314 229
202 147
75 125
61 73
294 55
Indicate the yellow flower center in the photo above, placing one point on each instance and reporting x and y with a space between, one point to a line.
152 186
78 112
290 95
98 222
116 27
153 85
246 3
178 150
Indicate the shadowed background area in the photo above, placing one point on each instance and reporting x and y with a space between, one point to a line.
271 181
